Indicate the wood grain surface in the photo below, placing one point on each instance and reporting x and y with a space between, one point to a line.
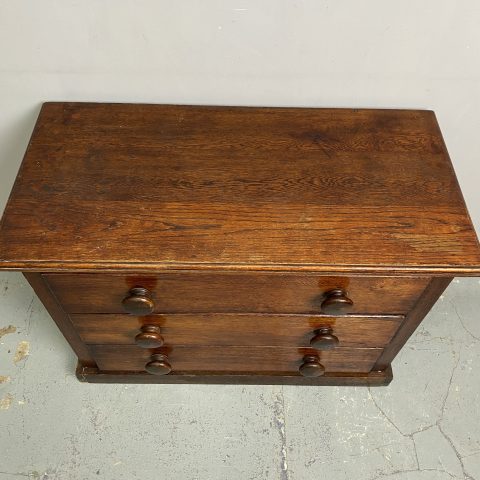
435 288
237 329
228 360
350 379
240 292
139 187
60 317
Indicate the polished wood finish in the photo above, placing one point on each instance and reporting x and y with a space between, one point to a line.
60 317
158 365
339 379
234 244
138 302
311 366
149 337
336 302
410 324
229 360
240 292
324 339
161 186
237 329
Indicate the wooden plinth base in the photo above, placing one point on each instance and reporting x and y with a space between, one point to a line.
372 379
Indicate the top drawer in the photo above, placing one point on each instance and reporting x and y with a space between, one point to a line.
236 292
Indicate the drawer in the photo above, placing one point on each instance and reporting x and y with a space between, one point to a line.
239 292
236 329
236 360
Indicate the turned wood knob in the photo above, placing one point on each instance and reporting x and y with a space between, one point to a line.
149 337
324 339
336 302
158 365
138 302
311 366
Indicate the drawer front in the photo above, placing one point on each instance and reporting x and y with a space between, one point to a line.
237 329
256 293
236 360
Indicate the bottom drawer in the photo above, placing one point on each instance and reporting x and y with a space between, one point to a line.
233 360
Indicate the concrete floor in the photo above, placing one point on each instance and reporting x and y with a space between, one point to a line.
424 426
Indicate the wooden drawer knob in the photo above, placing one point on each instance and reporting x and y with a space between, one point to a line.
324 339
336 302
158 365
311 366
138 302
149 337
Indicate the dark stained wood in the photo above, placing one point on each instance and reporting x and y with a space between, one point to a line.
324 339
241 292
311 366
138 302
231 360
237 329
412 321
150 187
158 365
371 379
336 302
60 317
228 244
148 337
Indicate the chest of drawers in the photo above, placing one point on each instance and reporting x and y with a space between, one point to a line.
181 244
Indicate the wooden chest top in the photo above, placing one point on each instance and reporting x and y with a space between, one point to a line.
147 187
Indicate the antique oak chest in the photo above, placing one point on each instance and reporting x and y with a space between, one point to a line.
231 244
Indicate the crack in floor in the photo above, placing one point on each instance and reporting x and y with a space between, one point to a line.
281 424
466 475
33 475
399 472
437 424
460 319
449 387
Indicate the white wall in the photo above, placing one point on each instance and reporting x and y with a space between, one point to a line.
378 53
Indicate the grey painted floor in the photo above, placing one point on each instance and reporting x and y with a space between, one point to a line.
424 426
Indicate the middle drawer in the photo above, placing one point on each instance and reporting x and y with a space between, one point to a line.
238 329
